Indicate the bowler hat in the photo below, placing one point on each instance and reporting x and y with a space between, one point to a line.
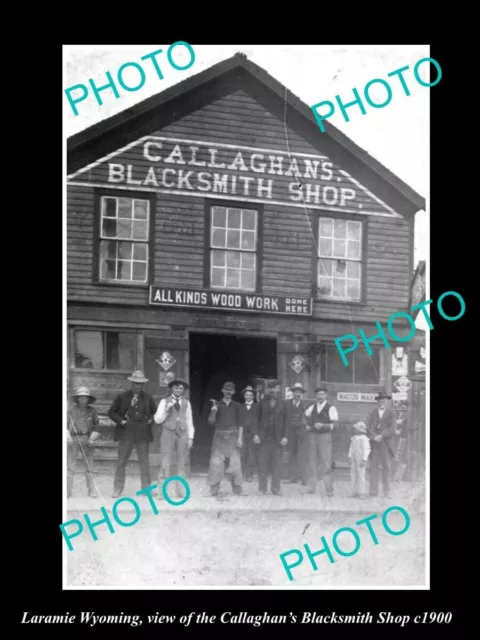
249 388
137 376
383 395
179 381
228 386
322 387
297 386
83 391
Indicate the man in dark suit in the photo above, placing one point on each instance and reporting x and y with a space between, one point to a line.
133 413
249 418
295 422
381 429
272 437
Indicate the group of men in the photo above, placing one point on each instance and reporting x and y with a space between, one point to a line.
248 437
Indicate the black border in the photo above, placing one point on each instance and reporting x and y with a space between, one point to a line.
37 537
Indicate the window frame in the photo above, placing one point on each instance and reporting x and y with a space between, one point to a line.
95 329
134 195
364 257
229 204
376 348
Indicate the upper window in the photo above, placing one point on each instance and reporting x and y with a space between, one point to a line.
124 234
339 263
233 249
101 350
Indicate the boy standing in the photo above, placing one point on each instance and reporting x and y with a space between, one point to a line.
358 455
82 431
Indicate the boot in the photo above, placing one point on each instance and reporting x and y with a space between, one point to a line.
214 489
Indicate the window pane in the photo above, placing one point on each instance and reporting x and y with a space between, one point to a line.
353 289
218 239
140 230
336 370
366 368
123 269
339 248
120 350
353 250
233 239
338 288
326 228
218 258
108 249
234 218
218 277
248 240
340 229
233 278
125 207
353 270
325 247
125 250
248 280
339 268
248 260
140 251
141 209
324 287
124 229
219 216
325 267
139 271
354 229
107 269
248 220
109 227
233 259
88 350
110 207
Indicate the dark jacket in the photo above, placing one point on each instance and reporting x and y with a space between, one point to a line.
146 409
386 426
249 418
281 430
304 404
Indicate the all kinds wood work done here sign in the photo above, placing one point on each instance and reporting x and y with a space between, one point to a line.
245 174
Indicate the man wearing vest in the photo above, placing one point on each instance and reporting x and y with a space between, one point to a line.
227 442
133 413
295 422
175 414
272 437
321 417
249 417
381 429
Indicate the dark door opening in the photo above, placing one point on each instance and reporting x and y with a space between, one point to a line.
215 359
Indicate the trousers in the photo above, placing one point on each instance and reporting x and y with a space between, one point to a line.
249 455
298 454
173 441
270 464
320 452
224 449
79 445
357 475
136 436
380 455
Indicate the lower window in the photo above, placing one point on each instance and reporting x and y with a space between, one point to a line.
100 350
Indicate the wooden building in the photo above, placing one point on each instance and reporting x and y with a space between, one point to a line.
215 233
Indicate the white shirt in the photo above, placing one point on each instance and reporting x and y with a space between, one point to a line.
381 412
332 414
161 414
248 405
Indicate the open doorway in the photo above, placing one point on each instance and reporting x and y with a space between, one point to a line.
215 359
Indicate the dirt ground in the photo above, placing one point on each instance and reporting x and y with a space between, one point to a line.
229 548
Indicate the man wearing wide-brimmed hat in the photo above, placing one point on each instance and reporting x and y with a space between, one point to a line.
296 422
132 412
175 414
249 417
381 429
227 442
82 431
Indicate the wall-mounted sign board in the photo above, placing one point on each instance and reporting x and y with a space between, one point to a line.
344 396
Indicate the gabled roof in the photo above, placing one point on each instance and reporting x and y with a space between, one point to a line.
223 78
